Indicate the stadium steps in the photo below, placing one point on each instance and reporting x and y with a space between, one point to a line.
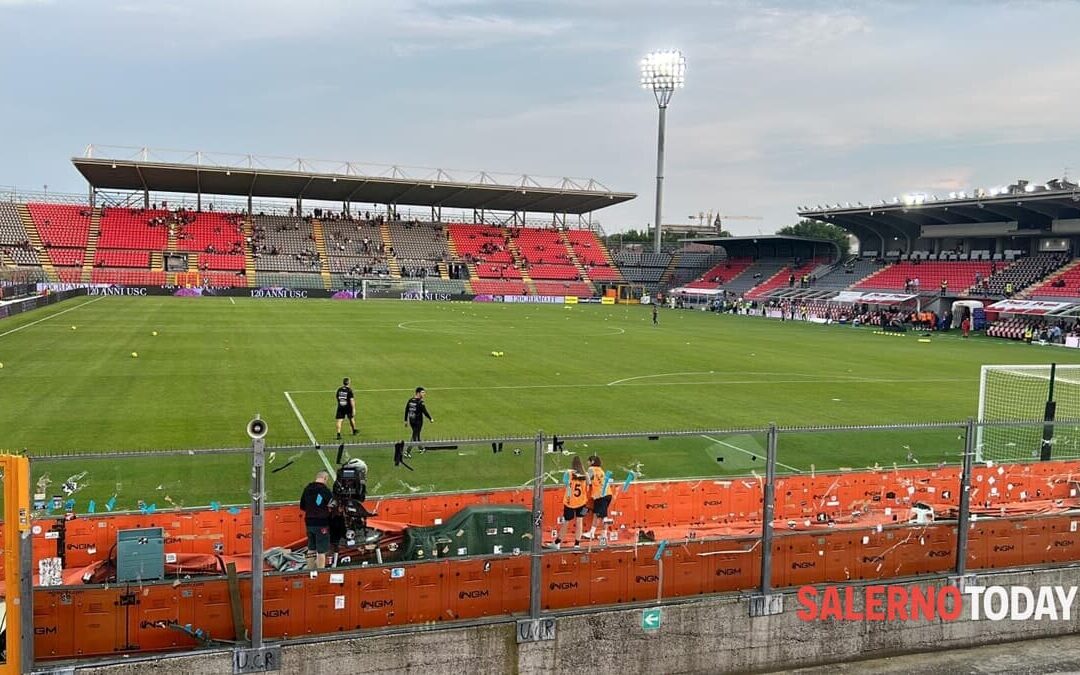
519 261
973 289
454 257
170 278
91 245
669 272
565 239
860 280
611 260
35 242
444 270
249 255
320 248
391 258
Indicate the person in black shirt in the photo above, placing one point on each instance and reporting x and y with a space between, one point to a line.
415 412
315 503
655 314
346 407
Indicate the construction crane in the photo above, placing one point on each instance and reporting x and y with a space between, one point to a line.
717 219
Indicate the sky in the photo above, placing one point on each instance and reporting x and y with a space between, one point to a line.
786 103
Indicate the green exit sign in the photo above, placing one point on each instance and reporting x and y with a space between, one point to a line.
650 619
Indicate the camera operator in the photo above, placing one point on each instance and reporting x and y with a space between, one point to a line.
315 502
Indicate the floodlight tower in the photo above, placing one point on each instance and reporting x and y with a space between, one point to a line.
662 72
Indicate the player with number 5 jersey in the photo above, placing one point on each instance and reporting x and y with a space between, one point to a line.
575 501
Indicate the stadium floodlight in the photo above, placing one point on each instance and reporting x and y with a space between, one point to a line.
662 72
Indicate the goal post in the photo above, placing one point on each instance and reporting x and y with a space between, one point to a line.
392 288
1027 395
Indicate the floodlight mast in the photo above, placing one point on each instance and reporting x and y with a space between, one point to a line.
662 72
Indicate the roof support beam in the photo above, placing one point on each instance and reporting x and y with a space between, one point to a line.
291 183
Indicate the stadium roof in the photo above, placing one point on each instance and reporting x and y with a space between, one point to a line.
1018 210
144 170
768 245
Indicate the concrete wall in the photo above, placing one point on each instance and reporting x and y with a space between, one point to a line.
709 635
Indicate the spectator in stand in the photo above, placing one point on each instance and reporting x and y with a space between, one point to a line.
600 492
574 502
1008 289
944 287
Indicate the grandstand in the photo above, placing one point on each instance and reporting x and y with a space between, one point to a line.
309 247
1018 234
328 249
1010 243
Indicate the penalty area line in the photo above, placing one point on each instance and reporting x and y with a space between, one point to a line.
752 454
311 436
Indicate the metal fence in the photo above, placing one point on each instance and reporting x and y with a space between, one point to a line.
779 507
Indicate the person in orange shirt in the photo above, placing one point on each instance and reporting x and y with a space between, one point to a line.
600 491
577 496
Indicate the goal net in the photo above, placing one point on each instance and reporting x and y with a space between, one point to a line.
1028 394
402 289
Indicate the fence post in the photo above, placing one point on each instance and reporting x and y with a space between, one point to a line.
766 602
258 475
963 520
23 497
767 511
538 527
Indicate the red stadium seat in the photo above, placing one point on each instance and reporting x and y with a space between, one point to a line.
721 273
61 225
960 275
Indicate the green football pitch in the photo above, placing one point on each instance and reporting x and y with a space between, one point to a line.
69 384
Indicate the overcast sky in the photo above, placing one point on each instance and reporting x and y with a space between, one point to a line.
785 104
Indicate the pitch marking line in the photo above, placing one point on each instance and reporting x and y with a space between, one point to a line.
407 325
752 454
231 300
866 380
311 436
52 316
852 378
